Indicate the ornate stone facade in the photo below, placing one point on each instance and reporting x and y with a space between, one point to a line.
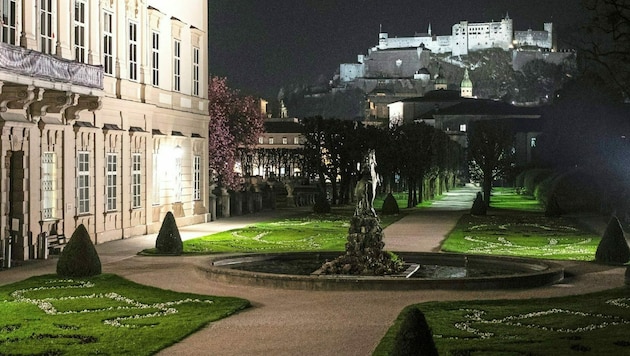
103 118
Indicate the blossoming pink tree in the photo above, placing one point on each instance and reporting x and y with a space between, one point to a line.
235 122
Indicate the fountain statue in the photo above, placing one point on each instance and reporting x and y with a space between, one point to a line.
364 247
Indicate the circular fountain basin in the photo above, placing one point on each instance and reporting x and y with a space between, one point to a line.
424 271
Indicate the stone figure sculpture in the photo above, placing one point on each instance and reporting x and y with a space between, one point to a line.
365 190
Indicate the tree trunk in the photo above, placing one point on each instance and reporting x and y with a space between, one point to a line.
487 189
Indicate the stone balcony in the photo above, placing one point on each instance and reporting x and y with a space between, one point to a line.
26 63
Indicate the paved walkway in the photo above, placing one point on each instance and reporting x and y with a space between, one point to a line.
297 322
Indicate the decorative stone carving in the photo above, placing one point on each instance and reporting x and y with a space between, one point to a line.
18 96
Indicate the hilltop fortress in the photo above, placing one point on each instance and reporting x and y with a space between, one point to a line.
465 37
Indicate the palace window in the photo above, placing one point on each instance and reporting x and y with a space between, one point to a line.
49 176
195 71
8 19
46 26
83 183
133 51
197 177
261 140
155 59
79 31
285 141
177 186
112 181
270 140
108 43
177 60
296 140
136 174
156 179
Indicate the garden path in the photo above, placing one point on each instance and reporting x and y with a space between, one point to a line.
302 322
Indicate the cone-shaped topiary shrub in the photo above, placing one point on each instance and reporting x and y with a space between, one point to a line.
613 248
479 206
552 209
414 336
322 206
168 241
79 258
390 205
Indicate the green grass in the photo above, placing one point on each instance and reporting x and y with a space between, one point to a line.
592 324
310 232
506 198
516 226
106 314
522 235
401 199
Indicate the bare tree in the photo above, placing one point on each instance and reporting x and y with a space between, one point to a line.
607 40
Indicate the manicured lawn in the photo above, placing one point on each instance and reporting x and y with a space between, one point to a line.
311 232
516 226
593 324
506 198
106 314
522 235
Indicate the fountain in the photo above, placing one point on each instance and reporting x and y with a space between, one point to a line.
365 266
364 248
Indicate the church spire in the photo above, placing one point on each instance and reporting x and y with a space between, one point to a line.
429 30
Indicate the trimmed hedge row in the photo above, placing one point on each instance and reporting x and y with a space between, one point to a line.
574 190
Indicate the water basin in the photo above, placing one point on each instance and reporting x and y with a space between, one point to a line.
425 271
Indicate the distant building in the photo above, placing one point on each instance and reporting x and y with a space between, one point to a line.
453 114
465 37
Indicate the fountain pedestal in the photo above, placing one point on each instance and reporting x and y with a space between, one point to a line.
364 251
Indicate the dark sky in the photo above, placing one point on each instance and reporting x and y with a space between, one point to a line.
261 45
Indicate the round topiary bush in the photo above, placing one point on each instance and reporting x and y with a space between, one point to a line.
552 208
322 206
390 205
414 336
613 248
79 257
533 177
168 241
479 206
577 190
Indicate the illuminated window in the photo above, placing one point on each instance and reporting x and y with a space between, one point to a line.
47 17
270 140
79 31
261 140
83 183
462 127
177 187
197 177
285 141
112 181
155 58
177 60
156 179
195 71
8 11
532 142
133 51
108 43
136 175
49 176
296 140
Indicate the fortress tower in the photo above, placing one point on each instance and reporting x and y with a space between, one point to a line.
466 86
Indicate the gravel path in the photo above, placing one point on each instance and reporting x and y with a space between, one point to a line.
297 322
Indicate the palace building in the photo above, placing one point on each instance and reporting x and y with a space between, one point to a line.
103 118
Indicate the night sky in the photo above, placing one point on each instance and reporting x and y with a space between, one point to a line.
262 45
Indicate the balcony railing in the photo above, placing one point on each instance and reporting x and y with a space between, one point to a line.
44 66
